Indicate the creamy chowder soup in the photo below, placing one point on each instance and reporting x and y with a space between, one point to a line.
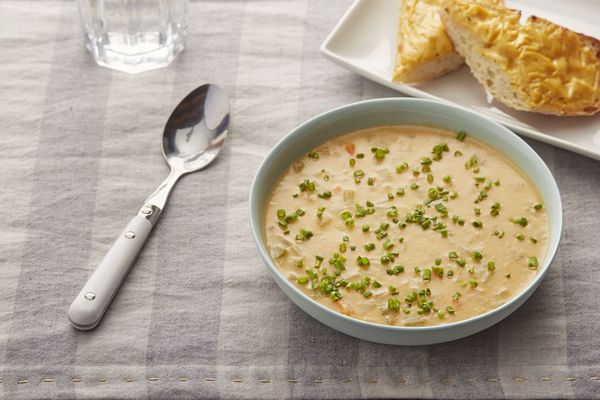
407 225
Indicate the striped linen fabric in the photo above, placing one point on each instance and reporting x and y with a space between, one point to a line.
199 316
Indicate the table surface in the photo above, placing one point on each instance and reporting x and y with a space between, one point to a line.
199 316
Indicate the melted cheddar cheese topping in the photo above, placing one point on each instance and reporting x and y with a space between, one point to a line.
422 37
553 67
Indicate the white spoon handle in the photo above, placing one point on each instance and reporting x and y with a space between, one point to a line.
89 305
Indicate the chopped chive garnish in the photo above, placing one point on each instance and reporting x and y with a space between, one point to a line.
390 196
369 246
414 186
400 191
360 155
520 236
447 179
472 283
476 255
429 178
533 240
460 136
491 265
533 262
304 234
395 270
367 294
325 195
363 261
388 245
314 155
520 220
426 274
352 162
461 262
376 284
456 296
401 168
538 206
365 228
477 223
458 153
370 181
302 280
500 234
452 254
450 273
393 304
307 186
477 211
450 310
379 153
495 209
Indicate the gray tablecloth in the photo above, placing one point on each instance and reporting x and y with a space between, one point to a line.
199 316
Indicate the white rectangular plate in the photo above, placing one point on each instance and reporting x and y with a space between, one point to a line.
364 41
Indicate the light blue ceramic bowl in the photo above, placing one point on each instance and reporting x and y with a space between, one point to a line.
394 111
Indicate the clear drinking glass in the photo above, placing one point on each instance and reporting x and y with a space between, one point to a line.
134 35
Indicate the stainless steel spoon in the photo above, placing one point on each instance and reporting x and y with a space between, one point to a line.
193 136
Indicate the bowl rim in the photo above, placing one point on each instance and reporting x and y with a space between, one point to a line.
256 226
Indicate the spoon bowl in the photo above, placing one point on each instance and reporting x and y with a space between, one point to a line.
193 136
196 130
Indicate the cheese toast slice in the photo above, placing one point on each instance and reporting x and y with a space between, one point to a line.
424 50
532 66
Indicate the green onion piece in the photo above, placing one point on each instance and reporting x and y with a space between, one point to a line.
376 284
477 223
450 310
533 262
456 296
360 155
476 255
367 294
302 280
352 162
447 179
395 270
379 153
461 262
520 220
473 283
369 246
491 265
392 290
325 195
363 261
429 178
393 304
452 254
365 228
388 245
520 236
460 136
414 186
426 274
401 168
314 155
342 247
533 240
450 273
538 206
